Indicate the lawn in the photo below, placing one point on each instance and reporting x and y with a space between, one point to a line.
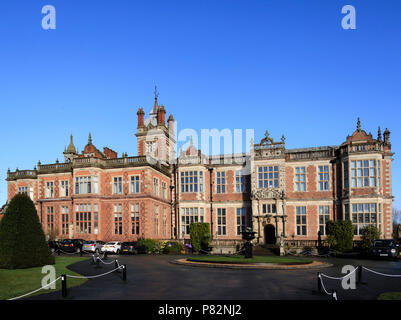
14 283
390 296
255 259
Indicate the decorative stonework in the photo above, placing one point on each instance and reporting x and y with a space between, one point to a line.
267 194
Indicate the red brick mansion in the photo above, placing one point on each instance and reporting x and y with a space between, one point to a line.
99 195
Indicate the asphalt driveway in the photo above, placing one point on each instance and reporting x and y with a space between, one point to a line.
153 277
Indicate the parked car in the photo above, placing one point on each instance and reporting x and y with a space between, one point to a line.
128 247
133 247
141 248
53 245
72 245
94 246
112 247
385 248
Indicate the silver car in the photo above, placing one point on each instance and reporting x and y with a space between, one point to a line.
92 246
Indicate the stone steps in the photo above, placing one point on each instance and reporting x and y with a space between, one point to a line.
265 250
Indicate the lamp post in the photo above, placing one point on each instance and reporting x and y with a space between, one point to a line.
171 210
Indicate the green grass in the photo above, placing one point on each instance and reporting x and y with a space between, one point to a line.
255 259
390 296
14 283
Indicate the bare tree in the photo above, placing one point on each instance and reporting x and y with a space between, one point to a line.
396 223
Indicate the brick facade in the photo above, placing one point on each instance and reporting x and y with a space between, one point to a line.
272 189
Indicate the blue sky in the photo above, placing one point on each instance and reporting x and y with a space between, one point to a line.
283 66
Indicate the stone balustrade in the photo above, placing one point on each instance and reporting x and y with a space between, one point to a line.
124 162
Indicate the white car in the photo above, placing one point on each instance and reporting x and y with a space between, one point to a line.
112 247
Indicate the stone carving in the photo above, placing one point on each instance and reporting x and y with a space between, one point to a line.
268 194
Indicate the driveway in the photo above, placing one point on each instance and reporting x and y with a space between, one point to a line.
153 277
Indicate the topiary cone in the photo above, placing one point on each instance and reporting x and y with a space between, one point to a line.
22 240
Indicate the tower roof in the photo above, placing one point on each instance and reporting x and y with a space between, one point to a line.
153 113
71 147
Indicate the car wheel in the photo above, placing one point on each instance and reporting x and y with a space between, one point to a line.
97 251
78 250
118 251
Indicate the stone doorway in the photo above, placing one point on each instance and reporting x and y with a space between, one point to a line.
270 234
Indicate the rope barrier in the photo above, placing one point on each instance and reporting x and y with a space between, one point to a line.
65 252
333 294
340 278
106 262
91 277
56 250
63 278
383 274
27 294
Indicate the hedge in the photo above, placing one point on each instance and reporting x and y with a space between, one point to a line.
200 235
22 240
340 235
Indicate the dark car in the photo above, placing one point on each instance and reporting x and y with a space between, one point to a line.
385 248
133 247
53 245
128 247
72 245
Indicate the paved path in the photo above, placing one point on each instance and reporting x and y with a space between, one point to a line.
155 278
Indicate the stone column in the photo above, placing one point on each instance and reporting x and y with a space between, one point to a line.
284 217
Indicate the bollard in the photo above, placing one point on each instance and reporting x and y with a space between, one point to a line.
105 255
63 285
319 283
359 276
80 252
58 251
334 295
124 272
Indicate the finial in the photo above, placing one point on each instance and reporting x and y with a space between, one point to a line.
90 139
282 139
379 135
156 93
358 125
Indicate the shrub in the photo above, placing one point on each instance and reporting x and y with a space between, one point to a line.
22 240
200 235
369 234
172 247
150 244
340 235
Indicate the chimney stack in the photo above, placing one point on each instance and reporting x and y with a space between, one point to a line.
140 114
161 115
